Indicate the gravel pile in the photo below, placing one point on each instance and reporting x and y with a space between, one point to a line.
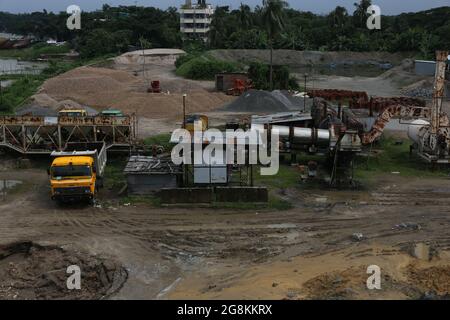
258 101
419 93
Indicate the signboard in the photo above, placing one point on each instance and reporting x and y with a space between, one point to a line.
50 121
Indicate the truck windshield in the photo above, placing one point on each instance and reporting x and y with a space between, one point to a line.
71 171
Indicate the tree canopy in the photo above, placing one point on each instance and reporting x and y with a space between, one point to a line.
115 29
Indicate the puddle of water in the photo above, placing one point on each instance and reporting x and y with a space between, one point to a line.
421 251
6 83
7 185
282 226
14 66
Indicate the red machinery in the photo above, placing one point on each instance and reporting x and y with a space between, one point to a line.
240 86
155 87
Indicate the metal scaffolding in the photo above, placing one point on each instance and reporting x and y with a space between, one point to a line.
43 135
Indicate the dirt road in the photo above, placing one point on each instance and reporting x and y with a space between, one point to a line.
306 252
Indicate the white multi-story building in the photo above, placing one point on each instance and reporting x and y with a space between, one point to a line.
195 20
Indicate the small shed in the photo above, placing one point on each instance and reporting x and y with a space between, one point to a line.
226 81
146 175
424 67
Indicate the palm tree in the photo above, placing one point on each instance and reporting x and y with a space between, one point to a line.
338 18
360 15
273 19
245 16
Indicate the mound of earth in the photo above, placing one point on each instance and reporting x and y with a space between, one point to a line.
42 105
295 58
150 56
34 272
258 101
102 88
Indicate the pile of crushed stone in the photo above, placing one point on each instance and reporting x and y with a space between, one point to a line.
258 101
29 271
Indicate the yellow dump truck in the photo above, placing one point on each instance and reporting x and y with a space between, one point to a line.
77 173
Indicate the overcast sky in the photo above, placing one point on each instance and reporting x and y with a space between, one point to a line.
388 7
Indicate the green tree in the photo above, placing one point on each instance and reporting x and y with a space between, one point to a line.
245 17
273 19
360 14
337 19
248 39
217 33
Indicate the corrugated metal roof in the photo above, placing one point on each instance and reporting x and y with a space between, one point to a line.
281 117
151 165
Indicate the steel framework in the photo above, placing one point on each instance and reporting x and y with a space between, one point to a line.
43 135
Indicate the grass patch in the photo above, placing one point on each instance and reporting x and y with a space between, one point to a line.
34 52
279 204
18 92
203 67
114 176
287 177
394 157
24 86
161 140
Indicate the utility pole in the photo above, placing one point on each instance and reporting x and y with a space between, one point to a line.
304 97
143 64
184 110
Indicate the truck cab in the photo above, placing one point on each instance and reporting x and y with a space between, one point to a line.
73 178
77 173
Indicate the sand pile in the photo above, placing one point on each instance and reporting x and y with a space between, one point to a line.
102 88
37 111
43 105
258 101
86 80
151 56
44 100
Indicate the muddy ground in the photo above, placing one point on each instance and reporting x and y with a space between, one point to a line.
307 252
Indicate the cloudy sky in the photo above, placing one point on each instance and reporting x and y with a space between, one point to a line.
318 6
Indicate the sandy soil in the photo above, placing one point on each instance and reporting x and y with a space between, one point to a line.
123 84
307 252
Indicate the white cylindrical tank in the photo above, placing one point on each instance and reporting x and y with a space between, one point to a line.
414 129
301 135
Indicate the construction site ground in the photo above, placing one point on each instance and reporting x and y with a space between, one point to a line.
307 252
122 83
133 248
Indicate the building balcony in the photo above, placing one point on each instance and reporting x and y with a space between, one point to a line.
196 30
207 11
206 21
